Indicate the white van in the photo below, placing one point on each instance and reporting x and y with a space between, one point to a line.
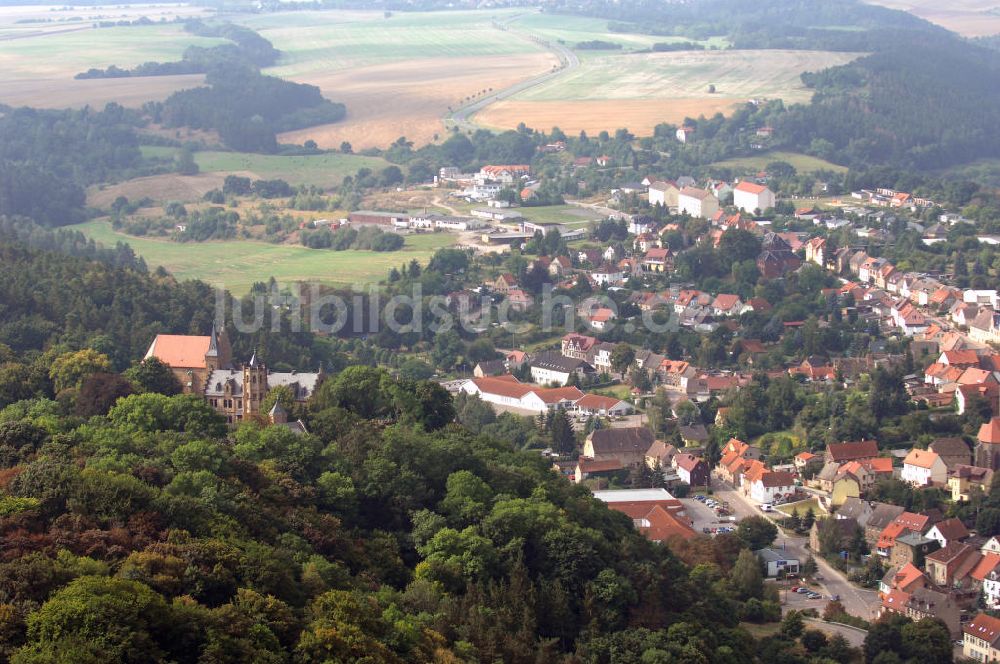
766 507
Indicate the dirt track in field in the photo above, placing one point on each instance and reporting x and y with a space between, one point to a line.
410 98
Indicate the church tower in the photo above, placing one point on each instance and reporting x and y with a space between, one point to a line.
254 385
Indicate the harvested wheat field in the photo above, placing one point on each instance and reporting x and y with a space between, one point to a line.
971 18
639 91
160 188
63 92
386 101
639 116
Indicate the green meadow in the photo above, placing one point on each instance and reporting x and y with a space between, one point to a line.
325 170
238 264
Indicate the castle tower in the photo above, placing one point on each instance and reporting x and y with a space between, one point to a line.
220 353
254 385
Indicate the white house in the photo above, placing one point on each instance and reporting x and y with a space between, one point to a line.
771 485
684 133
549 368
608 275
988 571
750 196
595 404
697 202
924 467
948 531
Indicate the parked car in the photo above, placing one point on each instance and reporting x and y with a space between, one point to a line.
795 589
834 598
803 591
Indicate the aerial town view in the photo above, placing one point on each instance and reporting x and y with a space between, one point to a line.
500 331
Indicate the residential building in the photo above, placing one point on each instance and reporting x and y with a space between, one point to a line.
981 639
664 193
852 451
601 406
882 515
577 345
588 468
952 565
816 251
628 444
911 549
963 481
948 531
772 485
691 469
987 573
953 451
924 468
697 202
549 368
751 197
776 257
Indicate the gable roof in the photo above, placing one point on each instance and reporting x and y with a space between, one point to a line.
687 461
662 525
986 564
597 401
772 479
984 627
951 553
952 529
921 458
180 351
949 447
693 192
907 574
750 187
884 514
853 450
626 439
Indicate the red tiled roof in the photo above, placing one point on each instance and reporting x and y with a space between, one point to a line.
907 575
664 525
557 394
598 465
750 187
896 600
986 564
984 627
921 458
990 431
180 351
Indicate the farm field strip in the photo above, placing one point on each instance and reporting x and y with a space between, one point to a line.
747 74
238 264
803 163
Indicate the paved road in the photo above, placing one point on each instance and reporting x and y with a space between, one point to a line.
854 635
859 602
462 117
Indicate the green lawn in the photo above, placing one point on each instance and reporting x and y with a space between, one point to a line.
237 264
802 162
324 170
802 506
318 41
568 214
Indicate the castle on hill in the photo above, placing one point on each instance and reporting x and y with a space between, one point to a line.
204 366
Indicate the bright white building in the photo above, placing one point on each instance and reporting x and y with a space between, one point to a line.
923 468
750 196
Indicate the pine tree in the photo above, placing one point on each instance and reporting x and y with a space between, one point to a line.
795 521
809 519
561 429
